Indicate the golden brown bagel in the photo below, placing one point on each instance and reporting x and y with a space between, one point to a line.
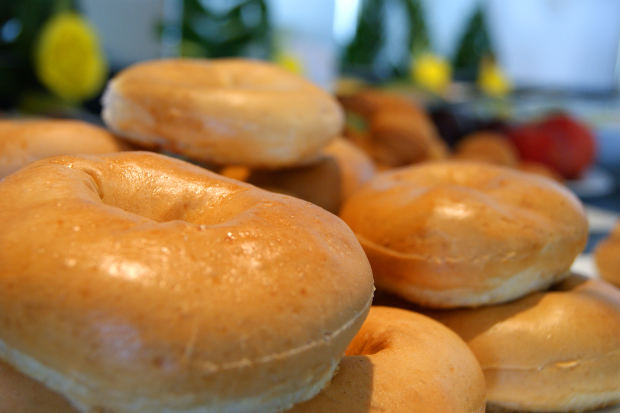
227 111
369 101
401 361
448 234
399 132
356 168
488 147
318 182
134 282
25 141
341 169
404 137
550 351
607 257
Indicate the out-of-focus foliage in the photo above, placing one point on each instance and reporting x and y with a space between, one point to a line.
365 56
50 57
20 22
361 54
474 59
475 45
234 28
418 40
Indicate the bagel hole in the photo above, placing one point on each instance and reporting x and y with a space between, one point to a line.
368 344
142 200
95 181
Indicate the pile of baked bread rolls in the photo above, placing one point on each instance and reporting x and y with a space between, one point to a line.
459 234
396 132
134 281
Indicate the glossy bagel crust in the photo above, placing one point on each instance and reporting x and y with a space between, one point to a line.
549 351
401 361
25 141
226 111
134 282
448 234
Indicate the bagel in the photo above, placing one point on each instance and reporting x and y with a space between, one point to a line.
356 168
401 361
550 351
607 257
449 234
318 183
25 141
133 282
227 111
488 147
341 169
367 102
404 138
399 131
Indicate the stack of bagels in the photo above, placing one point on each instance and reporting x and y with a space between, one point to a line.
141 282
249 120
395 132
487 251
136 282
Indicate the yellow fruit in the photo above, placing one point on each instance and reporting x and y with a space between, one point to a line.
289 62
69 60
431 72
491 79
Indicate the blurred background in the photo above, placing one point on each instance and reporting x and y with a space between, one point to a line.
507 66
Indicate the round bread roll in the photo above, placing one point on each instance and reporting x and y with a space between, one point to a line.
318 182
488 147
25 141
333 177
449 234
367 102
228 111
607 257
401 361
133 282
356 168
550 351
404 137
399 132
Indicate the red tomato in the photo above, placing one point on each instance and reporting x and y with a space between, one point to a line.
559 142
